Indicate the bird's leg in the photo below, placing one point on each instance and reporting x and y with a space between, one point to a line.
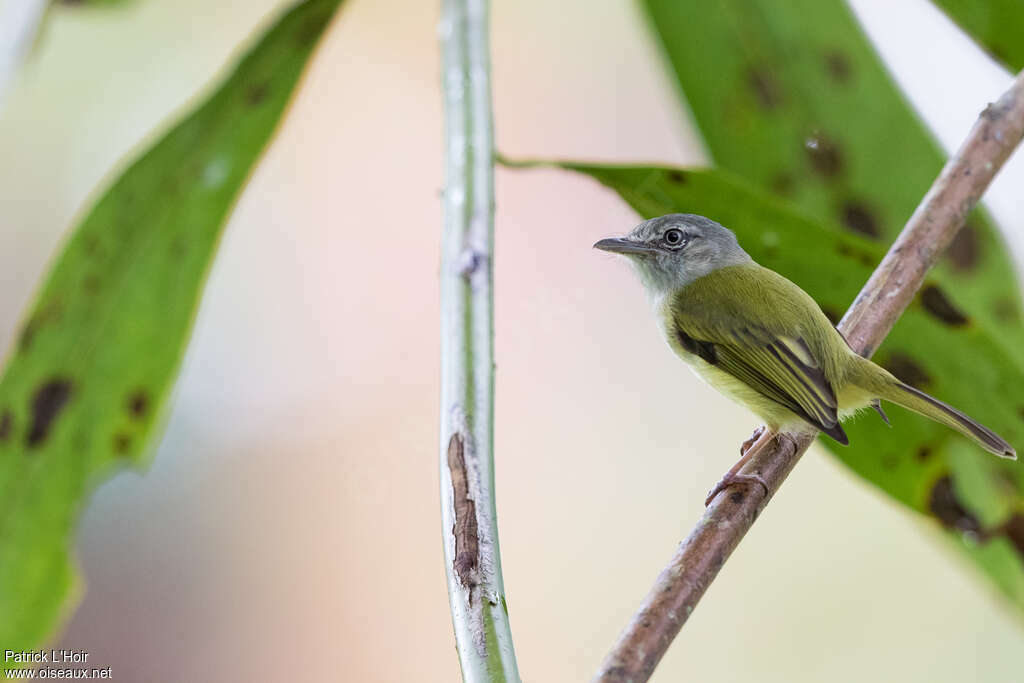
758 440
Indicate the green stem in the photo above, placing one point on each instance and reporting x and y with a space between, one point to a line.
468 513
19 23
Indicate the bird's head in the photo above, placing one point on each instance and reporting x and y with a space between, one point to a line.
672 251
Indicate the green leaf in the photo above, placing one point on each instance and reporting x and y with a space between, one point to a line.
791 96
91 3
90 374
979 498
996 25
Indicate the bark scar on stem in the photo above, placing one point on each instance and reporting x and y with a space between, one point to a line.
467 548
471 261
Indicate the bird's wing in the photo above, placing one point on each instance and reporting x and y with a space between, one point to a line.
781 367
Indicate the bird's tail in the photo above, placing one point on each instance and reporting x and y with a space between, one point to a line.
885 386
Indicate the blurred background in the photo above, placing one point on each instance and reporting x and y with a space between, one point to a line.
288 527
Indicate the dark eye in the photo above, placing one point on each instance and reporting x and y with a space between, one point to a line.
674 238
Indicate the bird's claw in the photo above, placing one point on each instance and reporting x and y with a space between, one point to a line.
745 446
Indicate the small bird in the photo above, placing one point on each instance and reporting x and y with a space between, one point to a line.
761 340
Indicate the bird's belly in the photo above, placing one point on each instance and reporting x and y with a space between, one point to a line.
774 415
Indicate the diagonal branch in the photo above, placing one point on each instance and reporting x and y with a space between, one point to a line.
883 299
469 523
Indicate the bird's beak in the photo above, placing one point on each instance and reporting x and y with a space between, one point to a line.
619 245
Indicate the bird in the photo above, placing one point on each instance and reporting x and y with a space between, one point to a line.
761 340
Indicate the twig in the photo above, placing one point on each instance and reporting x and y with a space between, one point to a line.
887 293
469 524
19 23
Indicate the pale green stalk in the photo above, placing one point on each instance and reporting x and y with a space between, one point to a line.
469 522
19 23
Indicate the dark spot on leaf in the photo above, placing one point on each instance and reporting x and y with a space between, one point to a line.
138 404
45 313
122 443
938 305
256 93
890 461
46 405
859 218
310 30
947 508
28 333
6 425
91 245
838 66
824 155
1005 309
832 314
467 549
783 184
765 86
924 452
1020 412
90 284
850 251
907 370
677 177
1014 530
964 250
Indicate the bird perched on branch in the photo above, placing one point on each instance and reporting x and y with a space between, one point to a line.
761 340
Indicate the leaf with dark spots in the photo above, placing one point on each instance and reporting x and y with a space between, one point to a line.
115 313
859 218
935 301
824 154
765 86
138 404
963 253
6 425
924 452
825 69
837 66
677 176
947 508
46 405
907 370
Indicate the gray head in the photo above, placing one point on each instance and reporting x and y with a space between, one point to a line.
674 250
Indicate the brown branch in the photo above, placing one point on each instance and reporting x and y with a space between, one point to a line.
883 299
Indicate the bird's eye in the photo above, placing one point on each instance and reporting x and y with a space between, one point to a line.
674 238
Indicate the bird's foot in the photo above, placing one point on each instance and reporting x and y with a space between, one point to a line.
734 478
745 446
